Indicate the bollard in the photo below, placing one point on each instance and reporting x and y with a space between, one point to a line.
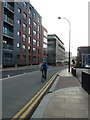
86 81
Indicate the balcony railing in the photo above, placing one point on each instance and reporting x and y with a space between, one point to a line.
8 61
8 33
9 20
8 6
8 47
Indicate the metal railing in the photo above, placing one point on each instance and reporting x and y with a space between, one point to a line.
8 6
6 18
6 46
8 33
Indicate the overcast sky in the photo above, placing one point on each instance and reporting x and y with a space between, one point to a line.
76 11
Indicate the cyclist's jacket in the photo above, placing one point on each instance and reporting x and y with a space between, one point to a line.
44 66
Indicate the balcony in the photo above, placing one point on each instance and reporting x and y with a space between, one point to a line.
8 47
7 19
8 33
9 7
8 61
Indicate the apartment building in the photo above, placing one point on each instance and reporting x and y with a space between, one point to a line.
44 44
56 50
21 34
83 56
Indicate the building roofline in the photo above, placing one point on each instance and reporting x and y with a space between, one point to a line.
56 36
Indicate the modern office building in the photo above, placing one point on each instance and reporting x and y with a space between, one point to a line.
56 50
44 44
83 56
21 34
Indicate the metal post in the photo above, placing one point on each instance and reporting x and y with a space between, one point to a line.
69 41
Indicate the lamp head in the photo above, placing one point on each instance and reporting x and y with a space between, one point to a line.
59 17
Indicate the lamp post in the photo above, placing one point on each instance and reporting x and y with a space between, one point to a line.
69 40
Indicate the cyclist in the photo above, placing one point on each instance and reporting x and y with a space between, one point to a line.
44 68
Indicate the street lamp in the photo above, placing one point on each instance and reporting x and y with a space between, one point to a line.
69 40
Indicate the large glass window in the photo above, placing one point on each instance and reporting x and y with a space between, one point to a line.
18 45
34 42
29 21
24 47
24 37
29 48
29 31
24 4
29 10
19 22
34 50
24 27
18 33
45 40
19 10
34 15
34 33
38 28
44 46
38 43
24 15
34 23
45 33
29 40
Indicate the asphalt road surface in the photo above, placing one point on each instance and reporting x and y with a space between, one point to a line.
18 90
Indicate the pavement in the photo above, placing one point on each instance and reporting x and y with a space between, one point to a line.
65 99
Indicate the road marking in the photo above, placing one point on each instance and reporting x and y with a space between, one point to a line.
29 106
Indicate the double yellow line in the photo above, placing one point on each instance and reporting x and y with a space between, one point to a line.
23 113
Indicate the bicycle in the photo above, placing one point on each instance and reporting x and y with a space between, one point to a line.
43 77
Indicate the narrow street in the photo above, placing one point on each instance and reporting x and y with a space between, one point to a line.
18 90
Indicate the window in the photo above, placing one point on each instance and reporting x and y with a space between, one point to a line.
34 15
29 21
34 58
34 42
24 4
24 37
29 48
45 33
24 47
24 27
29 31
24 58
45 40
19 10
34 50
44 46
25 16
29 40
29 10
38 35
19 22
29 58
38 28
38 19
34 33
18 33
38 43
18 45
34 23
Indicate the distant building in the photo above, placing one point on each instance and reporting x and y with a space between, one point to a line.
67 57
83 56
20 32
56 50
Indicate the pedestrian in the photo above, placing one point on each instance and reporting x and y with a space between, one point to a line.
44 68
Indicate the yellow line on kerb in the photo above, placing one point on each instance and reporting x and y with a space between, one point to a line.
33 104
30 102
